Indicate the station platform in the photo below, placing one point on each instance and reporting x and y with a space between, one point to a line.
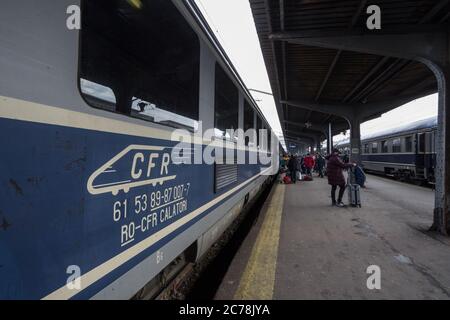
303 248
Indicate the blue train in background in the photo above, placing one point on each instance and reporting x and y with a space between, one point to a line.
92 205
406 152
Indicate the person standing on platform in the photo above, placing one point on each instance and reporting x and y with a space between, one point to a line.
309 164
335 168
292 166
320 164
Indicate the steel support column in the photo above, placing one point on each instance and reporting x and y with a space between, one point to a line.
441 219
319 146
330 139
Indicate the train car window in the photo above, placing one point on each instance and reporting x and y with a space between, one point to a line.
374 147
149 61
249 120
226 104
408 144
397 145
366 148
384 146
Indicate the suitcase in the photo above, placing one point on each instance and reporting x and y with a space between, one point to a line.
287 180
354 191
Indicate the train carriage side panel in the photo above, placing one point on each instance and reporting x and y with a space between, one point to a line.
84 189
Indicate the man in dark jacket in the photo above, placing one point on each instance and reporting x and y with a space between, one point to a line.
292 166
320 164
336 178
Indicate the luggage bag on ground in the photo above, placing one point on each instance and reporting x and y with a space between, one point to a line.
354 191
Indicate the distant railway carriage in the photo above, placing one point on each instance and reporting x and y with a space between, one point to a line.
91 204
405 152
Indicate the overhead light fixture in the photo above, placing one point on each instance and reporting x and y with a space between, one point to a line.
308 125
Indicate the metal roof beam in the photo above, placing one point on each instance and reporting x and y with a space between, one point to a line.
338 54
298 140
437 7
345 32
312 137
419 45
314 126
430 15
356 110
382 79
321 128
327 77
342 110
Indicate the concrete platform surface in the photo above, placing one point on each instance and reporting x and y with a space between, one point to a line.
302 248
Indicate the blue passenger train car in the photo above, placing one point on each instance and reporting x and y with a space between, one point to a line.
92 203
405 152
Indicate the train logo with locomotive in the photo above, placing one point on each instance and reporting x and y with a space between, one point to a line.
146 165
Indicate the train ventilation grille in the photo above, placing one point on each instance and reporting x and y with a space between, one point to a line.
225 174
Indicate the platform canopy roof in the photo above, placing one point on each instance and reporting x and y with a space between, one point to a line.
307 73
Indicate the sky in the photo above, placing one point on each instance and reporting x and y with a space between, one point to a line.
232 21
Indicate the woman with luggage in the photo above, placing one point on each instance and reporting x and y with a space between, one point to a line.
335 174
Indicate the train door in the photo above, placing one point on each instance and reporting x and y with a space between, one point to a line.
420 155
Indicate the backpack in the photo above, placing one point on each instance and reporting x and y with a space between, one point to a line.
360 177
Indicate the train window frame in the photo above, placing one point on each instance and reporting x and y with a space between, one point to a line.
221 74
267 142
411 144
396 143
374 147
384 146
250 125
421 143
258 126
366 149
428 142
433 141
170 110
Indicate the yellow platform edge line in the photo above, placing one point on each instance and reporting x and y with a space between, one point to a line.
258 280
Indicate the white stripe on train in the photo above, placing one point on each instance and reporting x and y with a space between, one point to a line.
15 109
102 270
